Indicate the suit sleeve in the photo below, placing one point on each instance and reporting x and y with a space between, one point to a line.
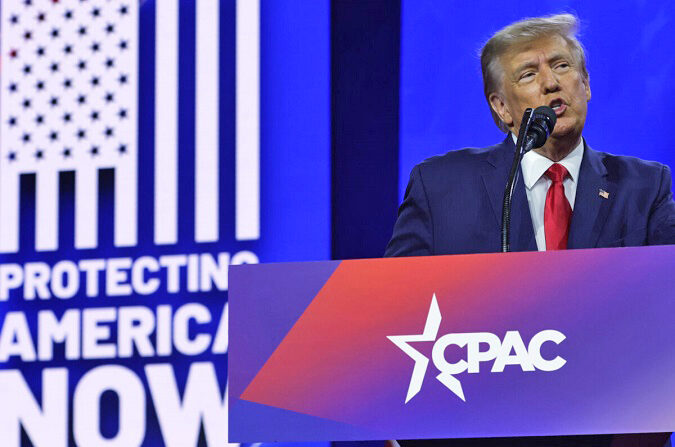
413 231
662 216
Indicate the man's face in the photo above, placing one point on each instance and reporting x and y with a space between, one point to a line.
543 72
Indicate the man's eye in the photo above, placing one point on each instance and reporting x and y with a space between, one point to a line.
562 66
526 75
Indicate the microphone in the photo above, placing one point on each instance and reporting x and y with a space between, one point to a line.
535 128
541 126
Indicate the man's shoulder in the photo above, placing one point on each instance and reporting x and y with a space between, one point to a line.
460 159
627 166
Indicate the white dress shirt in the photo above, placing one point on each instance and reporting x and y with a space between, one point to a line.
534 166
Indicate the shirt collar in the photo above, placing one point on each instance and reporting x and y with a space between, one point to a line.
534 164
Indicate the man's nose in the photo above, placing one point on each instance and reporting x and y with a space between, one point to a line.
549 80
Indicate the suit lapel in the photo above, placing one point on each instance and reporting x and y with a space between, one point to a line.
495 175
594 197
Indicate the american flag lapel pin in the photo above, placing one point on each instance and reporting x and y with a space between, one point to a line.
604 194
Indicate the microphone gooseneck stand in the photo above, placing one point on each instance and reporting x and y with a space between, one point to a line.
535 128
521 148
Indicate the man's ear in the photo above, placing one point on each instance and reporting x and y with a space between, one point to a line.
587 84
499 107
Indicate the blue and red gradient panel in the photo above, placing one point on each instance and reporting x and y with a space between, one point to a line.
334 373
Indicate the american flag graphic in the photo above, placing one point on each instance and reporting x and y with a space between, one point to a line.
69 104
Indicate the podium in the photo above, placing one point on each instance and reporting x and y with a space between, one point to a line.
490 345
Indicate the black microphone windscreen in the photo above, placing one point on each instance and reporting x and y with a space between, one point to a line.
543 122
549 115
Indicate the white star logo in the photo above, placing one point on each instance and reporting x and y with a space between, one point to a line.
421 362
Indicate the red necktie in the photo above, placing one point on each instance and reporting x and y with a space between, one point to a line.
557 211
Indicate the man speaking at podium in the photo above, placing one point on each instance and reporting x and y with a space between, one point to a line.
568 195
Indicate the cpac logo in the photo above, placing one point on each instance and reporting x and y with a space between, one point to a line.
528 358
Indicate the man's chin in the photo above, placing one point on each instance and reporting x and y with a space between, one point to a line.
564 132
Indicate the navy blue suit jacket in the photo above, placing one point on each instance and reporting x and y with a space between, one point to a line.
453 204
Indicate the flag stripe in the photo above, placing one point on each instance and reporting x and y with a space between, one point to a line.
187 12
166 122
126 195
107 178
9 213
206 121
66 209
86 208
47 210
9 182
126 175
27 213
247 226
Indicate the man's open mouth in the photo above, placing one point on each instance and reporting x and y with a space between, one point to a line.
558 106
